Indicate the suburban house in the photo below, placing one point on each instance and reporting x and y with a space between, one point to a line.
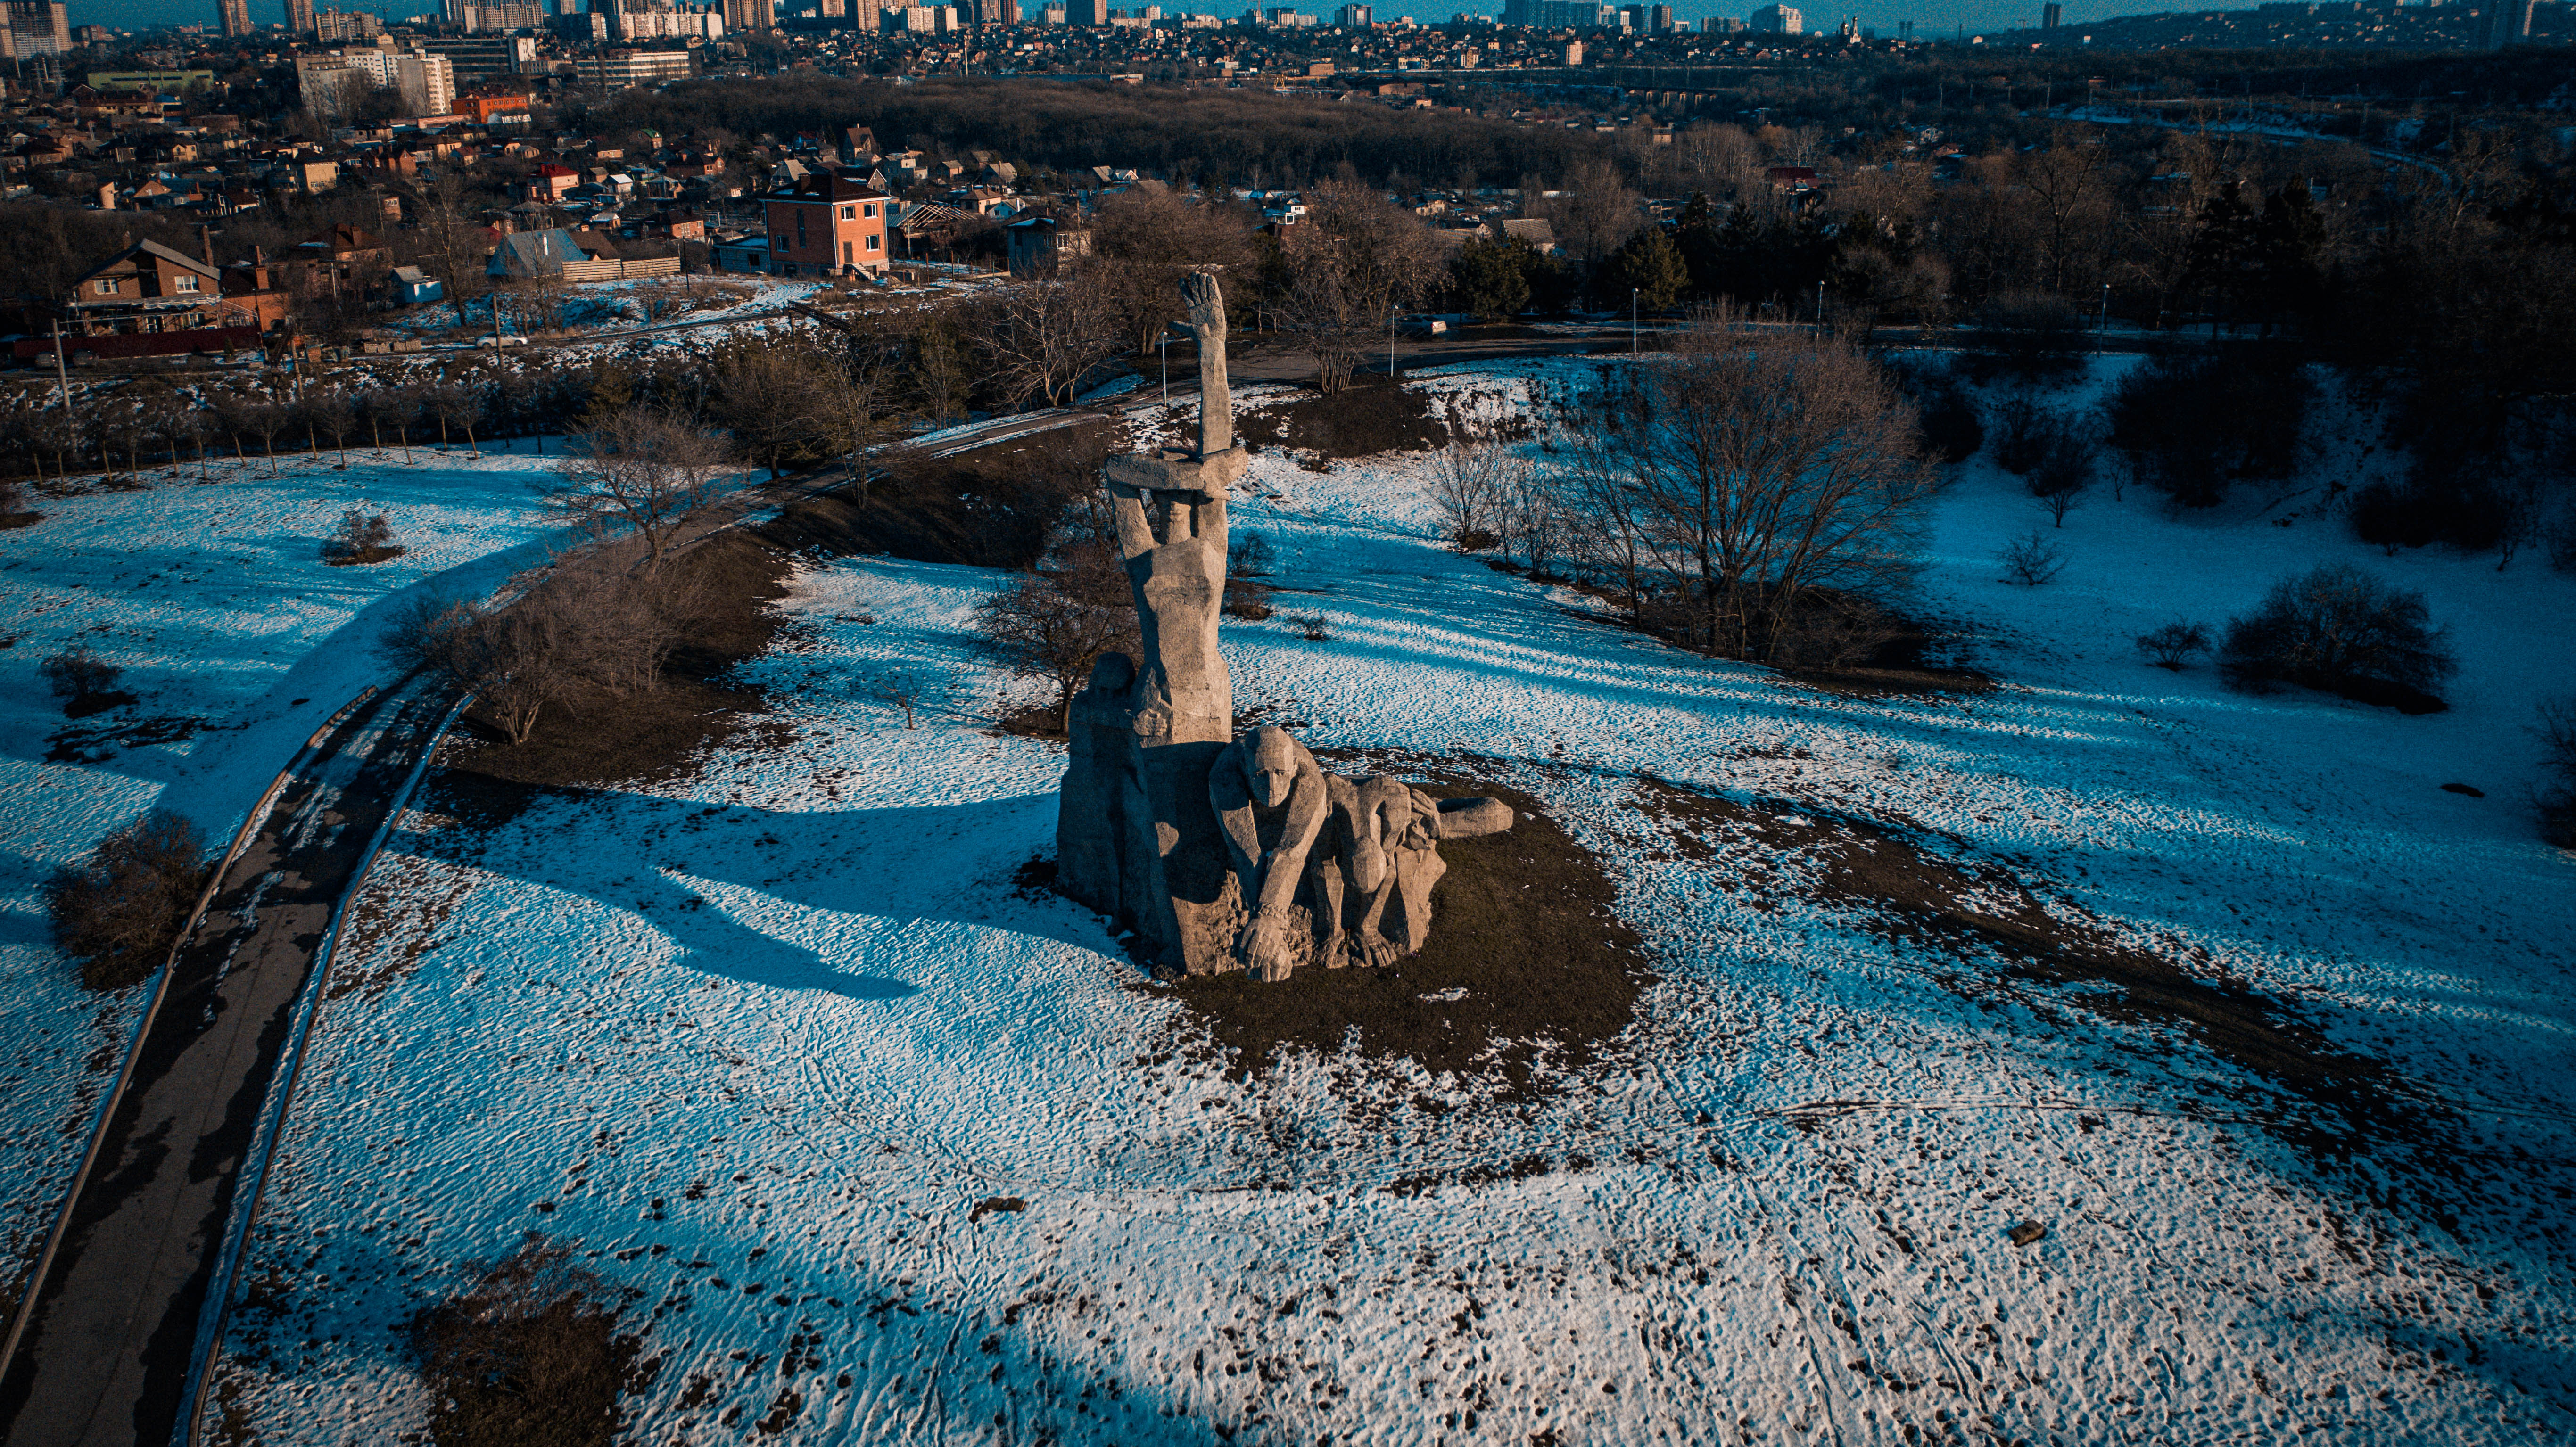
551 181
822 225
342 261
575 256
413 287
1037 244
151 301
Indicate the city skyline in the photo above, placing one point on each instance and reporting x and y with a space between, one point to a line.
1883 16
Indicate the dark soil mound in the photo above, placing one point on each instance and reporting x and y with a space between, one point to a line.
1366 418
1527 964
1992 935
991 507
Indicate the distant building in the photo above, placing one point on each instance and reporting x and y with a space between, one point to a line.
299 17
2050 14
823 225
1780 20
621 68
1038 244
149 300
338 27
1352 17
38 28
2507 22
232 17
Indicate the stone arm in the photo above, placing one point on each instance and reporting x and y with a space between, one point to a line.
1274 872
1469 818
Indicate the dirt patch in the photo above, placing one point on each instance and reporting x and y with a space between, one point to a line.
98 743
11 521
1993 935
596 737
362 557
994 507
958 510
1364 419
1864 652
532 1354
1528 965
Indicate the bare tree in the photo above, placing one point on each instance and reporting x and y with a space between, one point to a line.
1147 239
335 412
2031 559
395 405
451 404
1765 470
511 660
450 242
1472 480
1351 266
641 468
781 401
1055 627
1044 335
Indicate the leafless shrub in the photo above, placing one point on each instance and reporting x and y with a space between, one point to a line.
1757 470
2557 800
2339 629
512 660
2031 560
359 539
641 468
2172 645
1043 337
618 628
1056 626
530 1357
120 913
1473 480
899 686
1313 627
76 674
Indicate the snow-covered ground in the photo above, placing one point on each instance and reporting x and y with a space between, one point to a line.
891 1151
236 641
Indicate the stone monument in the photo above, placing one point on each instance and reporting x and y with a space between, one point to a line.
1221 853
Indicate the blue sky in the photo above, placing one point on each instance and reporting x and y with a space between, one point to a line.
1884 14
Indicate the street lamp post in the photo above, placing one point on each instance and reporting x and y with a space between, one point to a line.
1392 312
1632 321
1163 345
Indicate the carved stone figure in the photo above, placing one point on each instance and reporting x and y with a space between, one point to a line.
1218 853
1270 798
1372 881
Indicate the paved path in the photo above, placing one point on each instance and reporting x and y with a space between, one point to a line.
117 1328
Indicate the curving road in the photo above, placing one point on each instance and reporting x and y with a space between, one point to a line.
107 1349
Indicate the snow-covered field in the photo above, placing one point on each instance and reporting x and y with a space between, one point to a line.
891 1151
236 642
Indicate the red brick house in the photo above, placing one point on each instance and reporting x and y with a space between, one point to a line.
822 225
149 301
551 182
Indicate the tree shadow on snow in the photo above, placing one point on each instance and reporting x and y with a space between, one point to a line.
920 870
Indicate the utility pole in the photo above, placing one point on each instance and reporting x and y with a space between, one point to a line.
62 377
1632 321
2102 323
1392 312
